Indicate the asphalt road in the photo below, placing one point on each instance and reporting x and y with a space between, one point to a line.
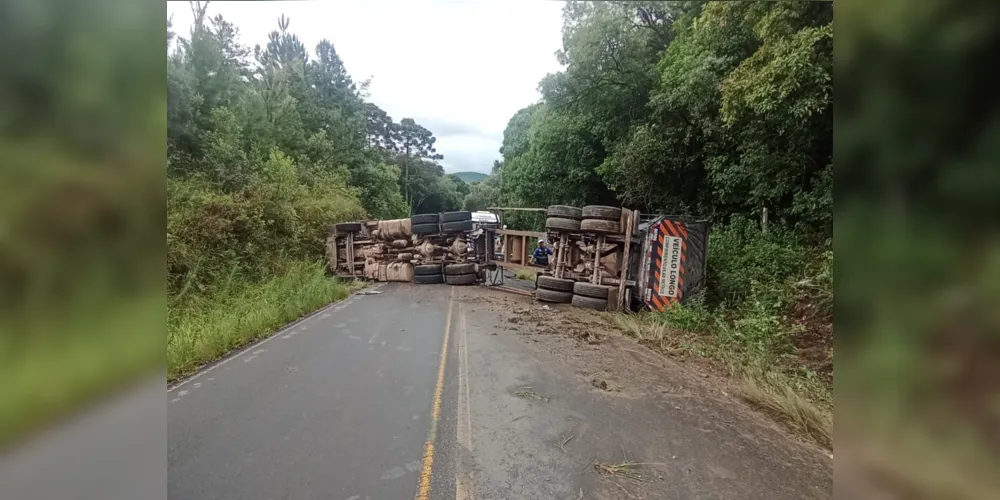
336 407
438 392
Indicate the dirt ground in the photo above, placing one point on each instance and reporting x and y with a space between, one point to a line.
677 415
621 363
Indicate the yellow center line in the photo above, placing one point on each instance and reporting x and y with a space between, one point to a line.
427 465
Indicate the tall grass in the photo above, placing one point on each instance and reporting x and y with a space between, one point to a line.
203 328
67 358
796 397
743 322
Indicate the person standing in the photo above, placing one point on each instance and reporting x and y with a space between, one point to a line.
541 254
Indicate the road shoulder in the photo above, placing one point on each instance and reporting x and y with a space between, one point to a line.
560 413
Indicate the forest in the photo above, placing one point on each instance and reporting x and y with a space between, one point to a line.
710 110
267 146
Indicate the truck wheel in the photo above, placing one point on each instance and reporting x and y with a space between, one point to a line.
590 303
591 290
553 296
564 212
348 227
555 284
466 268
428 279
602 212
560 224
600 226
456 227
425 228
460 279
424 219
426 269
456 216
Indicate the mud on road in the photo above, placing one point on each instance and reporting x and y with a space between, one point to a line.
597 401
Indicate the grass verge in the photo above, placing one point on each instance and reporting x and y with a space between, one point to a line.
752 349
202 329
65 359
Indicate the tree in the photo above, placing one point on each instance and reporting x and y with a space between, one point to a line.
382 133
415 142
460 186
428 193
483 195
205 72
265 151
706 109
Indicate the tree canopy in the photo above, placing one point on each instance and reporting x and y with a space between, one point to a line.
268 145
709 109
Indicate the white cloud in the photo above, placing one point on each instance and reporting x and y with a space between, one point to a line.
461 69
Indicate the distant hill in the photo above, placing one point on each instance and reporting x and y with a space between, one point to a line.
470 177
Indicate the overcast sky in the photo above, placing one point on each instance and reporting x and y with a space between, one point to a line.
459 68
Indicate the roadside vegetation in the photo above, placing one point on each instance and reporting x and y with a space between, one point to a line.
238 312
266 148
81 209
766 319
711 110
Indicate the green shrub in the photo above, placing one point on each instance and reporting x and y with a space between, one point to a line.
694 316
744 262
252 231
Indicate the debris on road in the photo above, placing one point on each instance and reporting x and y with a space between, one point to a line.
625 468
562 445
529 393
368 292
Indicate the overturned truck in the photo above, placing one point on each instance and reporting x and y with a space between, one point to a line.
425 249
604 258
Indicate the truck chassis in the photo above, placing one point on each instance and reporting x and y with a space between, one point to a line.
625 259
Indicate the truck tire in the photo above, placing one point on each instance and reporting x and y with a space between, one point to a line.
428 279
457 226
564 212
591 290
456 216
348 227
600 226
553 296
426 269
465 268
560 224
602 212
590 303
556 284
460 279
425 228
424 219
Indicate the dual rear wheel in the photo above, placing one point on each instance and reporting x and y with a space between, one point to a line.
447 222
596 219
452 274
567 291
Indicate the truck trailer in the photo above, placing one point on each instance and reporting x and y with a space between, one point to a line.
604 258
